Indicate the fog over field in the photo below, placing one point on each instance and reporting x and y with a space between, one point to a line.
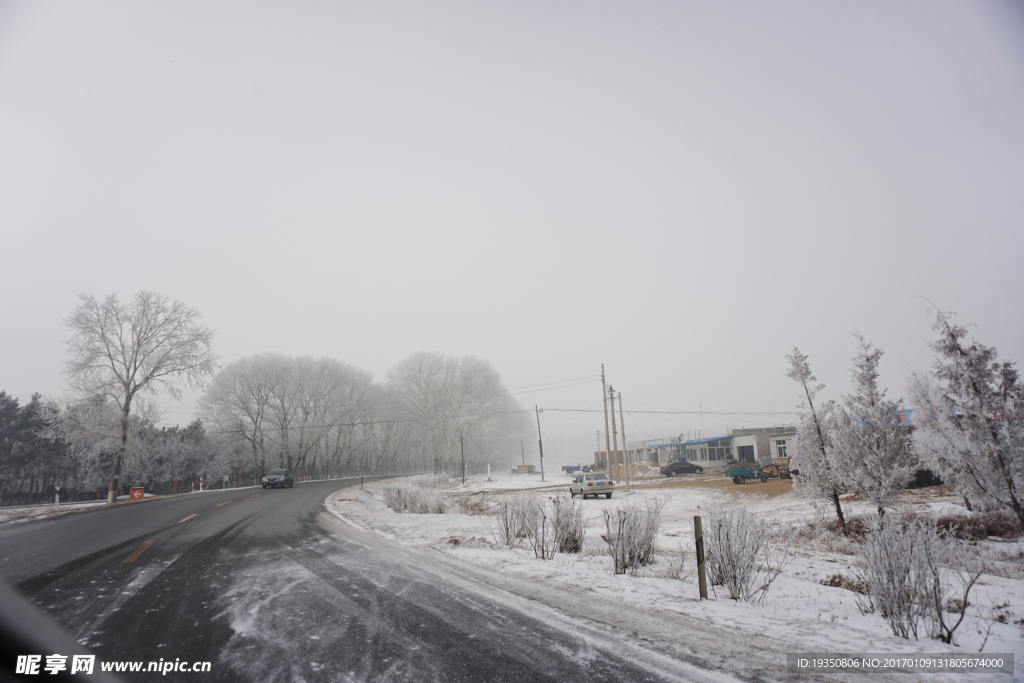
680 191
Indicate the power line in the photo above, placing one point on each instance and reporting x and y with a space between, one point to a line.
575 379
642 432
677 412
571 418
564 386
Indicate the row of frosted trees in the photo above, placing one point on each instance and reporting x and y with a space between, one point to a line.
45 445
321 417
968 428
317 417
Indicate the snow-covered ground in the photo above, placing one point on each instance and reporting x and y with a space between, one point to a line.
798 614
25 513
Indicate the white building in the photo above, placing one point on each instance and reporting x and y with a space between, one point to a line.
758 445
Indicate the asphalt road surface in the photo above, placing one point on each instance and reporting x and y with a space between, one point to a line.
266 585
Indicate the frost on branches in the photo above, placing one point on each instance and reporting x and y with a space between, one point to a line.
916 573
823 470
870 433
973 433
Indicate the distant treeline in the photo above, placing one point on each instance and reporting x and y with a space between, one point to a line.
316 417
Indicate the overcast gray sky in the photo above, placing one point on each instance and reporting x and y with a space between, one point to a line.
682 191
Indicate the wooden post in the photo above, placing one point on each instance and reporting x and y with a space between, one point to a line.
702 581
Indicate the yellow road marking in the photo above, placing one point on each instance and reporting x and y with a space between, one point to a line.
219 504
255 494
134 556
187 518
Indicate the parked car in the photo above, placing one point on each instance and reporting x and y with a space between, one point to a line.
788 472
681 467
277 478
593 484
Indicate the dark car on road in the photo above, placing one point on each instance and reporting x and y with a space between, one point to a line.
681 467
277 478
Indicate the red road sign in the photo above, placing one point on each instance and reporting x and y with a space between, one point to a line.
136 494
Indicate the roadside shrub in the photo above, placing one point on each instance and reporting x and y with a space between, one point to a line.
545 527
856 527
471 505
889 570
539 534
914 573
979 526
632 534
513 516
414 500
431 481
738 555
566 518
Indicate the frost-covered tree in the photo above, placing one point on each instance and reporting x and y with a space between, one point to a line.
972 433
444 396
307 414
871 433
120 351
236 404
93 432
825 471
174 456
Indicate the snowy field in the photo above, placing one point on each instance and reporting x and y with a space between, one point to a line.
799 613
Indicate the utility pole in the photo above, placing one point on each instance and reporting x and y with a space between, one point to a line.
615 433
462 452
540 442
625 451
523 451
607 436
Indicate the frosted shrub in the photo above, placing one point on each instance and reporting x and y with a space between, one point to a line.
737 553
471 505
546 528
393 498
632 534
539 532
566 517
891 575
514 518
414 499
917 574
431 481
427 502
